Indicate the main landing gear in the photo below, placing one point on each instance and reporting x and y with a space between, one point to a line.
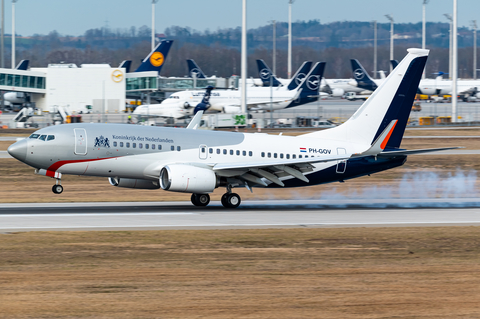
200 199
231 200
57 188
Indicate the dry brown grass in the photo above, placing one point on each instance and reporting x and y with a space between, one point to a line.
295 273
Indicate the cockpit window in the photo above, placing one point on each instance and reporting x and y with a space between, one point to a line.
42 137
50 137
34 136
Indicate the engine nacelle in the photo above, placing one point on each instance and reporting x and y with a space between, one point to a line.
134 183
187 179
338 92
186 105
231 109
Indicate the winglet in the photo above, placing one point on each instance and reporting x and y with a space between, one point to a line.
195 122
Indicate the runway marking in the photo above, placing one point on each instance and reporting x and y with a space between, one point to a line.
94 214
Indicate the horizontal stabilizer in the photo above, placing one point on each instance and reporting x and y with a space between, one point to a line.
413 152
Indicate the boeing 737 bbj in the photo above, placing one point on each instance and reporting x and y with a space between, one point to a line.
198 161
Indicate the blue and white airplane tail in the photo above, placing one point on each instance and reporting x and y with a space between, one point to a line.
126 64
205 103
266 75
364 81
194 69
155 60
388 107
23 65
308 90
300 75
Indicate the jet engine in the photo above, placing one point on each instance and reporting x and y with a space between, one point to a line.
133 183
186 105
338 92
231 109
188 179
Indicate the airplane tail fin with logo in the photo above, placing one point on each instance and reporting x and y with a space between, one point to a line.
23 65
300 75
205 104
390 103
266 75
308 90
125 64
364 81
155 60
193 68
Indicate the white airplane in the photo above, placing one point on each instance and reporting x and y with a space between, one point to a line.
435 86
187 103
198 161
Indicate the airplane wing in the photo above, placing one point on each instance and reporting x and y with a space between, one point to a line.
272 170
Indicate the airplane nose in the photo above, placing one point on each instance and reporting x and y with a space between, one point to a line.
18 150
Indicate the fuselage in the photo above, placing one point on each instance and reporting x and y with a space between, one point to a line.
139 152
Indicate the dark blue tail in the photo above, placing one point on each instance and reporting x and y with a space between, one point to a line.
155 60
205 104
394 63
23 65
309 87
266 75
194 70
364 81
300 75
126 64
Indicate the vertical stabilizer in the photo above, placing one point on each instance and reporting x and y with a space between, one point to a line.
194 70
156 59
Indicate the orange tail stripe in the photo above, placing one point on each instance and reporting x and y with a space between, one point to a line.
385 141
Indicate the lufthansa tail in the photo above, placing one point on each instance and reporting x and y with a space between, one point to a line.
300 75
155 60
266 75
308 90
205 103
364 81
125 64
194 70
23 65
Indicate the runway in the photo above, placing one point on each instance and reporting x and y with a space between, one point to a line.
251 214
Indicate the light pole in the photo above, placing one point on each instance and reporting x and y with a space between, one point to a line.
274 46
290 38
474 25
424 28
454 63
153 23
375 48
450 53
389 17
2 37
244 58
13 33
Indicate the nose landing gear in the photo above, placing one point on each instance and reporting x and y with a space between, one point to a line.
57 188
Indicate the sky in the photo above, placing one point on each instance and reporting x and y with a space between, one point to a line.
69 17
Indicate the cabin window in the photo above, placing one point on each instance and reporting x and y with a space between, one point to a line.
275 155
114 144
299 156
159 147
288 156
153 146
172 148
244 153
250 153
218 151
128 144
263 154
231 152
50 137
306 156
210 150
134 145
140 145
294 156
238 152
203 149
269 155
179 148
42 137
281 155
147 146
224 152
35 136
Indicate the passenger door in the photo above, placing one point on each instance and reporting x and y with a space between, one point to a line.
80 141
203 151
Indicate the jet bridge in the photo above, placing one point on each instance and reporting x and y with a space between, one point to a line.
22 81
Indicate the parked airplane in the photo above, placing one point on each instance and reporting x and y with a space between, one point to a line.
182 104
199 161
155 60
436 86
15 100
194 70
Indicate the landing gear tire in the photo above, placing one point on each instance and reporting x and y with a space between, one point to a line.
200 199
231 200
57 189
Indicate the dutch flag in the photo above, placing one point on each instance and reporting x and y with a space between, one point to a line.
303 150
